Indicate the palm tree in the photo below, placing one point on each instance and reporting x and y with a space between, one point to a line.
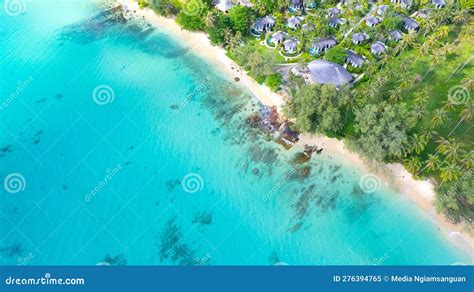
450 172
419 111
448 105
432 163
227 35
442 32
450 148
468 83
413 164
209 19
395 94
422 96
434 60
460 16
439 117
418 143
468 160
466 114
234 42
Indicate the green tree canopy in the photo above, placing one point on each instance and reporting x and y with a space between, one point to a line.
336 55
382 131
318 108
240 18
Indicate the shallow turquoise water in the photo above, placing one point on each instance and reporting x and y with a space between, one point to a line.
103 183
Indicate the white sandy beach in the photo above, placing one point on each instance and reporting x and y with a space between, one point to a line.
420 192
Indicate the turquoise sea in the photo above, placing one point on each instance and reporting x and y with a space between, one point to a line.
119 146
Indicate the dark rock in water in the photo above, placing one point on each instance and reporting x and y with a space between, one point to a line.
118 260
295 227
5 149
41 100
157 203
203 218
254 119
174 107
269 155
12 250
273 258
59 96
237 79
300 157
131 147
172 183
172 246
127 163
304 172
255 171
36 141
65 187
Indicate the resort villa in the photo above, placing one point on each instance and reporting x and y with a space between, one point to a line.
291 46
377 48
395 35
296 6
410 24
333 12
294 22
322 44
354 59
382 9
403 3
359 38
438 3
277 38
263 24
226 5
372 21
334 21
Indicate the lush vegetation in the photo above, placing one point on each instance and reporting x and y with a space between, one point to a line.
412 104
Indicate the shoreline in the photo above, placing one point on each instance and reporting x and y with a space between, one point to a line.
421 193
